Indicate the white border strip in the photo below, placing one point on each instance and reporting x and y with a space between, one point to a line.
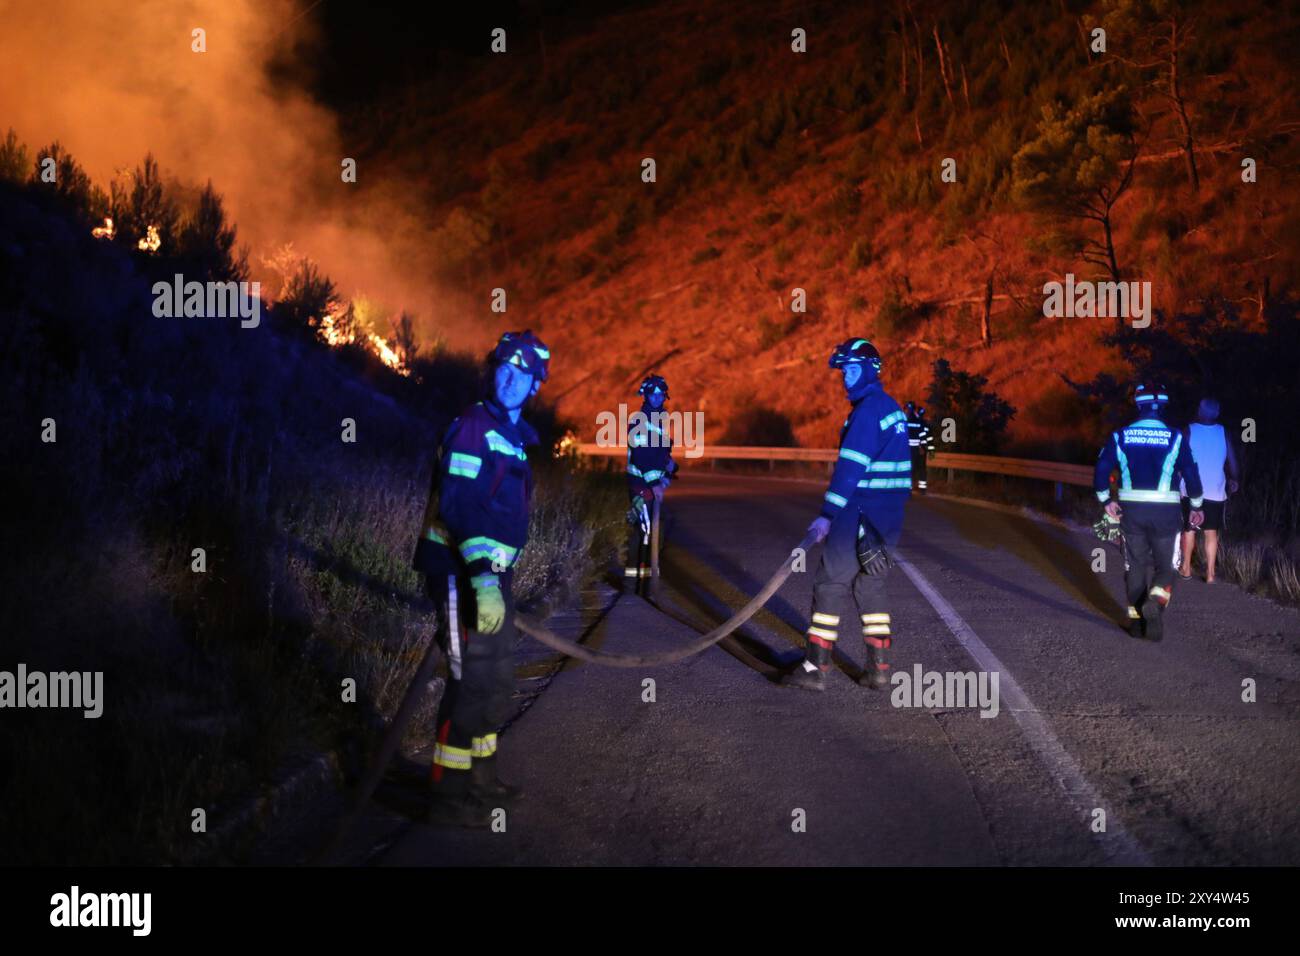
1123 847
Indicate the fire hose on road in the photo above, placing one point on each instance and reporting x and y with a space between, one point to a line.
608 659
552 640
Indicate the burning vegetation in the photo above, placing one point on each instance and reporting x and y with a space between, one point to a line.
141 212
310 298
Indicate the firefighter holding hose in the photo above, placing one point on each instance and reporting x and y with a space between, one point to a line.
860 520
650 468
475 525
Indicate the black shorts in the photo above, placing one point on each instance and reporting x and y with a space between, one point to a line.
1213 515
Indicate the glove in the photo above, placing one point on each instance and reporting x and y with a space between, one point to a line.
639 514
821 527
1107 529
659 491
873 556
491 607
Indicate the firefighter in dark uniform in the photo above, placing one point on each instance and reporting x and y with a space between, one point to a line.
921 443
475 526
1150 457
860 520
650 469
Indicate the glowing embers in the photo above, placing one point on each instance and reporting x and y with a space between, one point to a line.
152 242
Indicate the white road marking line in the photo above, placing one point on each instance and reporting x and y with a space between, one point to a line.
1123 848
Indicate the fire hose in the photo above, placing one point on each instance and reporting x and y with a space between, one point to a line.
608 659
570 648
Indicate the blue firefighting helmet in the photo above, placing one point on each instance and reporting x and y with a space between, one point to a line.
651 383
856 350
526 351
1151 397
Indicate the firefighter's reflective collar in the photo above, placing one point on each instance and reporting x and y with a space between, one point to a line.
519 432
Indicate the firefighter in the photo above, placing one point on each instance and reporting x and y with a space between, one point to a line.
861 519
1150 457
650 469
475 526
921 442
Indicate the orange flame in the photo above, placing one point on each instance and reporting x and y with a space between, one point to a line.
335 337
106 231
152 242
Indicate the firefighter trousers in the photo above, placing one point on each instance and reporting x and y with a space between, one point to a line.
481 678
844 597
636 571
919 469
1150 543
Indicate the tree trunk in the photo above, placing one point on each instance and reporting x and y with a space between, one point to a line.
986 327
1110 246
1189 148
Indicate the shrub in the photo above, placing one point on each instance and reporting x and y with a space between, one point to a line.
981 417
207 242
307 296
15 163
147 203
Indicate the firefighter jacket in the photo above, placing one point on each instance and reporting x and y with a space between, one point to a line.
649 452
476 521
874 455
919 434
1150 457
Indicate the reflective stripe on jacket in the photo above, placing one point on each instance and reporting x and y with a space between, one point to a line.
478 508
649 451
1149 456
874 455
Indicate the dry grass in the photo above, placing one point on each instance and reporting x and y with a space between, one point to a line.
1242 563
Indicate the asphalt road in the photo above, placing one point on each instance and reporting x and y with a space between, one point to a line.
726 767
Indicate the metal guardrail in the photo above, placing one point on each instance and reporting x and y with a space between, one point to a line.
1058 472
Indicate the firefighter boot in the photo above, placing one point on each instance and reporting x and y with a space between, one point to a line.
875 633
875 672
819 660
487 786
1135 625
1153 613
452 803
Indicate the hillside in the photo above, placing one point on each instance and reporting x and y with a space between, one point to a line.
821 171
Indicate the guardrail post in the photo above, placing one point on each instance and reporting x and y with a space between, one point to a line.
950 476
1059 491
771 464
